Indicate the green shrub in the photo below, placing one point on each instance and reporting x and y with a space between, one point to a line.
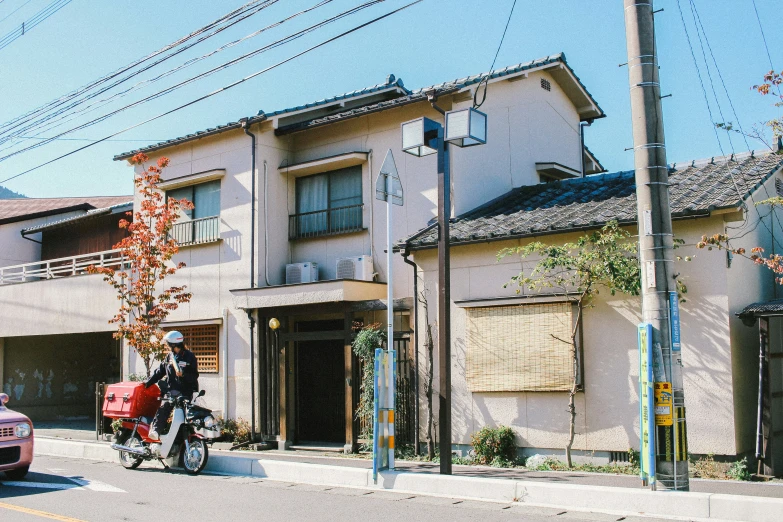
494 446
137 377
739 470
235 430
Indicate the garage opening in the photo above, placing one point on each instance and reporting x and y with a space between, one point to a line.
53 377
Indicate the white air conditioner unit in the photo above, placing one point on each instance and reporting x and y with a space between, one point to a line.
301 273
359 268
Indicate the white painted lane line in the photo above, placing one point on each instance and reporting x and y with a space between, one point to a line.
95 485
40 485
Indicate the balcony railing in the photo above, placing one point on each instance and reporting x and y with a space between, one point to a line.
194 231
61 267
329 222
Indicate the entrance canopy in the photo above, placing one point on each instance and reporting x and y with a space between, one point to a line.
320 292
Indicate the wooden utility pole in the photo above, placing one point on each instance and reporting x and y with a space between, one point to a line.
656 243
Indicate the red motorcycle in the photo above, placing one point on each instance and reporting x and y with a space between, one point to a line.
186 443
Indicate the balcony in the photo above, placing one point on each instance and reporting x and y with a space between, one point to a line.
196 231
61 267
334 221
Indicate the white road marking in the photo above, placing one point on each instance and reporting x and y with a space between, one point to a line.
40 485
95 485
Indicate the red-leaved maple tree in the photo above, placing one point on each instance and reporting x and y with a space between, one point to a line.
148 250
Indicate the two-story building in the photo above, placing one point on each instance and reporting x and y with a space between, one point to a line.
286 226
55 339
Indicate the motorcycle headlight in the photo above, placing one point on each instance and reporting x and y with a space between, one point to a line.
22 430
209 422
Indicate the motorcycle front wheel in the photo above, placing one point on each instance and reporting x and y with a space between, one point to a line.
128 460
195 459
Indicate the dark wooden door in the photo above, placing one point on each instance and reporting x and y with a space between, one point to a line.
320 391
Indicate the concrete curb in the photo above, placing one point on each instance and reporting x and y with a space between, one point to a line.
705 506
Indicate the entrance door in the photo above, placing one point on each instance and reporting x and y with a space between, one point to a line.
320 379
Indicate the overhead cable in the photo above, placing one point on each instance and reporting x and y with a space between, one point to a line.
220 90
63 116
36 19
229 19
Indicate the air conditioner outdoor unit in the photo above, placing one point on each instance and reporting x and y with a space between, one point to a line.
359 268
301 273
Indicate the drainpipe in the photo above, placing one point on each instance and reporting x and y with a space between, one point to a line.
224 362
246 128
266 224
582 142
415 343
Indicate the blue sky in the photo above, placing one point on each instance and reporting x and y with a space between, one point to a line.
434 41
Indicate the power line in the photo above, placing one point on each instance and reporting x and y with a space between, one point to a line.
200 76
697 23
36 19
485 80
222 89
6 17
228 19
89 139
221 24
764 39
63 116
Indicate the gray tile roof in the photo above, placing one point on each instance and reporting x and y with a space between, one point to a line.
439 89
22 209
405 96
774 307
590 202
391 84
123 206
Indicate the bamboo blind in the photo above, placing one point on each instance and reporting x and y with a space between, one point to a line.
511 348
202 340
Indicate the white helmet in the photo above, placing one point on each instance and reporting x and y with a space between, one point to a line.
174 337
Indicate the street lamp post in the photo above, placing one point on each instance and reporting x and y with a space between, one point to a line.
422 137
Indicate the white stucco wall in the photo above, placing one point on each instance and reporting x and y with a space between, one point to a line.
607 410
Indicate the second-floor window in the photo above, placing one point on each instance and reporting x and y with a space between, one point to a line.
202 223
328 203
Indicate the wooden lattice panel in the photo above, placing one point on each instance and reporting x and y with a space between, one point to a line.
512 348
202 340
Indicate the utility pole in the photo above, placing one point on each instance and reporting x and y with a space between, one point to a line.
656 243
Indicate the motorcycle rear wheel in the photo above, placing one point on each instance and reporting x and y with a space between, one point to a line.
127 460
195 460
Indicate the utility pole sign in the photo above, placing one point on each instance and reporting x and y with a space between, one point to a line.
646 415
388 188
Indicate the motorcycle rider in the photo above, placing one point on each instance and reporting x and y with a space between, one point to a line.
179 371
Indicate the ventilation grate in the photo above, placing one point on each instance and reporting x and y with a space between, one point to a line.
779 187
293 275
545 84
620 456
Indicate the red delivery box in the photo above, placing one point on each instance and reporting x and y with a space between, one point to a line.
129 400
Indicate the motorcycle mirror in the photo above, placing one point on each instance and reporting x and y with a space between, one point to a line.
202 393
4 398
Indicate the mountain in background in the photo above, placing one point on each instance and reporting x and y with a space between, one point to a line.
9 194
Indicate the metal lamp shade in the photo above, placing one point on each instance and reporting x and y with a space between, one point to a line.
419 137
466 127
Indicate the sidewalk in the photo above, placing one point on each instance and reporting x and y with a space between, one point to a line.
615 494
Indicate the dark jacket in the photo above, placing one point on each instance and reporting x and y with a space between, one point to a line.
188 383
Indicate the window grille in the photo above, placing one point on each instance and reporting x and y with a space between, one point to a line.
779 187
545 84
521 348
202 340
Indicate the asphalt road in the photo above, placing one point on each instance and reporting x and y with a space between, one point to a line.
80 490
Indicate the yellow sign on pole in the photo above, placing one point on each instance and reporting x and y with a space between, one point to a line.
663 404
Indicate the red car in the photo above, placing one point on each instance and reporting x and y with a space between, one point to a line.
16 441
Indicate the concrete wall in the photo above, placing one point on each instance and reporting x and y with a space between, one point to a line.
76 304
607 410
53 376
